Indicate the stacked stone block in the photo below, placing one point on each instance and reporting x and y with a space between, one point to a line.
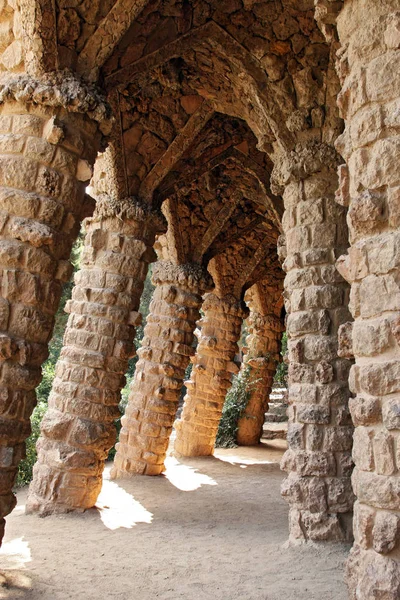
78 430
369 69
318 460
164 356
213 367
263 347
46 155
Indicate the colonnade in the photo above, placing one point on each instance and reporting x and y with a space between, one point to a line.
339 247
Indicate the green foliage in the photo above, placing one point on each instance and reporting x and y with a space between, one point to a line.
48 371
145 301
243 334
236 401
282 369
25 468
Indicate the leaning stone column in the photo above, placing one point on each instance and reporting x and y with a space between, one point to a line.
369 61
78 430
49 137
264 344
211 375
318 461
164 356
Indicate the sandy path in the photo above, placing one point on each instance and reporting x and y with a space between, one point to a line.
210 530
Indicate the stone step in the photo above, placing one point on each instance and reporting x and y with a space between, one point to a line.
276 409
275 418
275 431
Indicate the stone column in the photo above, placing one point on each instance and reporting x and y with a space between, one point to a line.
318 461
264 344
78 429
48 142
211 375
369 69
164 356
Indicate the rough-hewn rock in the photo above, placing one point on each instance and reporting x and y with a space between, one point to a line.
211 375
318 461
368 61
208 97
164 356
78 429
263 345
42 203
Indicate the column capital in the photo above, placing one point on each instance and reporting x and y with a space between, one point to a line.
58 89
190 275
128 209
227 304
265 323
303 161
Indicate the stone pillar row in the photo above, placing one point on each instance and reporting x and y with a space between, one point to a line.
263 348
49 138
211 375
164 356
369 70
318 460
78 430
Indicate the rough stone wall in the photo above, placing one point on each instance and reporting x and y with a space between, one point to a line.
46 157
78 429
224 310
263 346
211 375
11 47
164 356
231 47
318 461
369 69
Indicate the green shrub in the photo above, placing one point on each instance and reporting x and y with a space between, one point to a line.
144 310
48 371
25 467
282 368
235 404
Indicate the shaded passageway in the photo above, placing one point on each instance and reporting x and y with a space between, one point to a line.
211 527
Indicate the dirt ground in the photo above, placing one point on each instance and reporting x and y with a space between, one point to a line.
210 529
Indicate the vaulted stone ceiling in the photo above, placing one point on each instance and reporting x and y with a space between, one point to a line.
206 95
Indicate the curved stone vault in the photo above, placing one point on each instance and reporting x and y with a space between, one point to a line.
248 148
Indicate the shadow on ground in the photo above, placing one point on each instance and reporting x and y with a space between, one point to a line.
210 528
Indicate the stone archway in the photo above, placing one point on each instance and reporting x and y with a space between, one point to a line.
190 86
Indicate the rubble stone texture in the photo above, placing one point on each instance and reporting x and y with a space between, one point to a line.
208 98
164 356
47 155
78 429
369 69
263 343
233 271
211 375
318 460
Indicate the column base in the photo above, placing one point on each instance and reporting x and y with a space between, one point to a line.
131 468
371 575
193 445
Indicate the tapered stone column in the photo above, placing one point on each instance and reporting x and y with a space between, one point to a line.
369 69
164 356
78 430
318 461
211 375
264 344
49 139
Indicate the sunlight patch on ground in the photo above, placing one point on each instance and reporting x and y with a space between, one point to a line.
185 478
118 509
16 553
242 462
